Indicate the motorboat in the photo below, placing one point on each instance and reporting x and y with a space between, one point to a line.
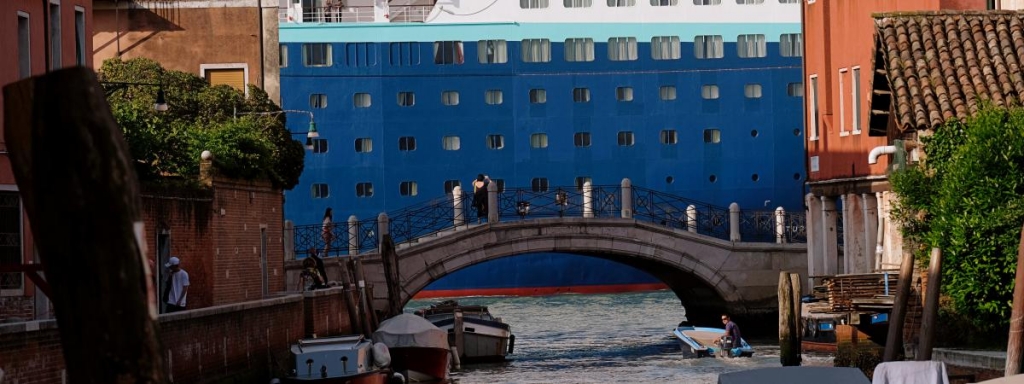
484 337
788 375
705 341
343 359
418 349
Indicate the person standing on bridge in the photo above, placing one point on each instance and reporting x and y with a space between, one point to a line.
327 230
480 196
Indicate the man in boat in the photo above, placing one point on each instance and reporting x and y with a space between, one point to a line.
732 338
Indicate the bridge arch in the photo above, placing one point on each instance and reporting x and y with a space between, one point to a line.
709 275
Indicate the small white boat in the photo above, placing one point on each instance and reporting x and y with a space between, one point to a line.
342 359
703 341
485 337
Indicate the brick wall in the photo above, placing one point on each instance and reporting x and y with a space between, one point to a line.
31 352
16 308
325 313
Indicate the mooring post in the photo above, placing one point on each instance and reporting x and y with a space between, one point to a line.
353 235
691 218
289 240
493 210
457 219
780 225
627 199
457 327
734 222
383 228
789 352
894 340
931 306
588 200
1015 346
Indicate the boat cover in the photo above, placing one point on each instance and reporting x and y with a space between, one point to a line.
409 330
790 375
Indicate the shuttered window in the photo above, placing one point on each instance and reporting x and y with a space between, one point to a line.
234 77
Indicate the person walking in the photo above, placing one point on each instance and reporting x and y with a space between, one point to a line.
480 196
327 230
177 287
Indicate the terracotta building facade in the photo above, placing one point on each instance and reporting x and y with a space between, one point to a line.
231 42
849 198
36 36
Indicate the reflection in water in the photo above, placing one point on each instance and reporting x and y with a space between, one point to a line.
623 338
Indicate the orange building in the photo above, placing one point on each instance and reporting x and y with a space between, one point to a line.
35 36
849 199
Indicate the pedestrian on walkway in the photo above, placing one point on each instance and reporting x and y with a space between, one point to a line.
480 196
177 286
327 230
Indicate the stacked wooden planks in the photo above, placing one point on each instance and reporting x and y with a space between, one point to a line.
865 288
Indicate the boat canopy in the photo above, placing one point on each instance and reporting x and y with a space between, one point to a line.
409 330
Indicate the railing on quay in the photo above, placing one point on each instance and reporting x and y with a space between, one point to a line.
456 210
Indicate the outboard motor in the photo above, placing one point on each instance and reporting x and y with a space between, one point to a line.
396 378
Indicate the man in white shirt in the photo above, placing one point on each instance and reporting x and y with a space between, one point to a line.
178 286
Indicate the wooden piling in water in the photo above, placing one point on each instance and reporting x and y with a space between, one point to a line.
789 344
931 306
894 340
1015 346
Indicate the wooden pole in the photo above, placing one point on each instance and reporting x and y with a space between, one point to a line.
1015 347
81 195
931 306
349 295
894 340
797 331
390 260
364 305
787 355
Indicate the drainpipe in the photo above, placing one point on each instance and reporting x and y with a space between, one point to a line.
878 151
259 19
880 246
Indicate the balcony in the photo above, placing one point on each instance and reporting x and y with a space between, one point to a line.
412 11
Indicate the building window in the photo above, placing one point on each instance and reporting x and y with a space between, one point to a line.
842 103
406 99
450 98
538 96
581 95
579 49
364 189
752 91
712 136
795 89
539 140
320 191
748 46
577 3
406 143
793 1
581 139
536 50
624 93
495 141
707 2
667 92
362 100
492 51
360 54
709 92
855 99
24 47
448 52
665 48
791 45
318 101
404 54
533 4
10 248
449 185
621 3
282 56
319 145
622 49
493 97
581 180
451 143
316 55
749 2
664 3
80 36
669 137
364 144
708 47
56 37
539 184
626 139
408 188
814 108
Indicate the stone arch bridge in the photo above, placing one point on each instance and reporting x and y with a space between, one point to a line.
715 259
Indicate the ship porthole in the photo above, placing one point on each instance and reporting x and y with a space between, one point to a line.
753 133
796 132
755 177
796 176
669 180
713 178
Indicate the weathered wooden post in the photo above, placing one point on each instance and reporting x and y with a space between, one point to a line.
894 340
795 282
349 294
734 222
81 194
588 199
383 228
389 259
364 306
1015 346
789 342
353 235
691 218
780 225
457 217
931 306
627 199
493 209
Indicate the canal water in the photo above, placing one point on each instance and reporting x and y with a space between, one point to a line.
616 338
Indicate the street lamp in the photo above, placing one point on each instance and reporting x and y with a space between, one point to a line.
310 134
109 87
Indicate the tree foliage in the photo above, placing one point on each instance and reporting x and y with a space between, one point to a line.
201 117
967 198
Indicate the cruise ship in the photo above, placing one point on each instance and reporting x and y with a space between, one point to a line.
697 98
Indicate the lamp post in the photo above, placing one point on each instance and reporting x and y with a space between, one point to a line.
109 87
310 134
